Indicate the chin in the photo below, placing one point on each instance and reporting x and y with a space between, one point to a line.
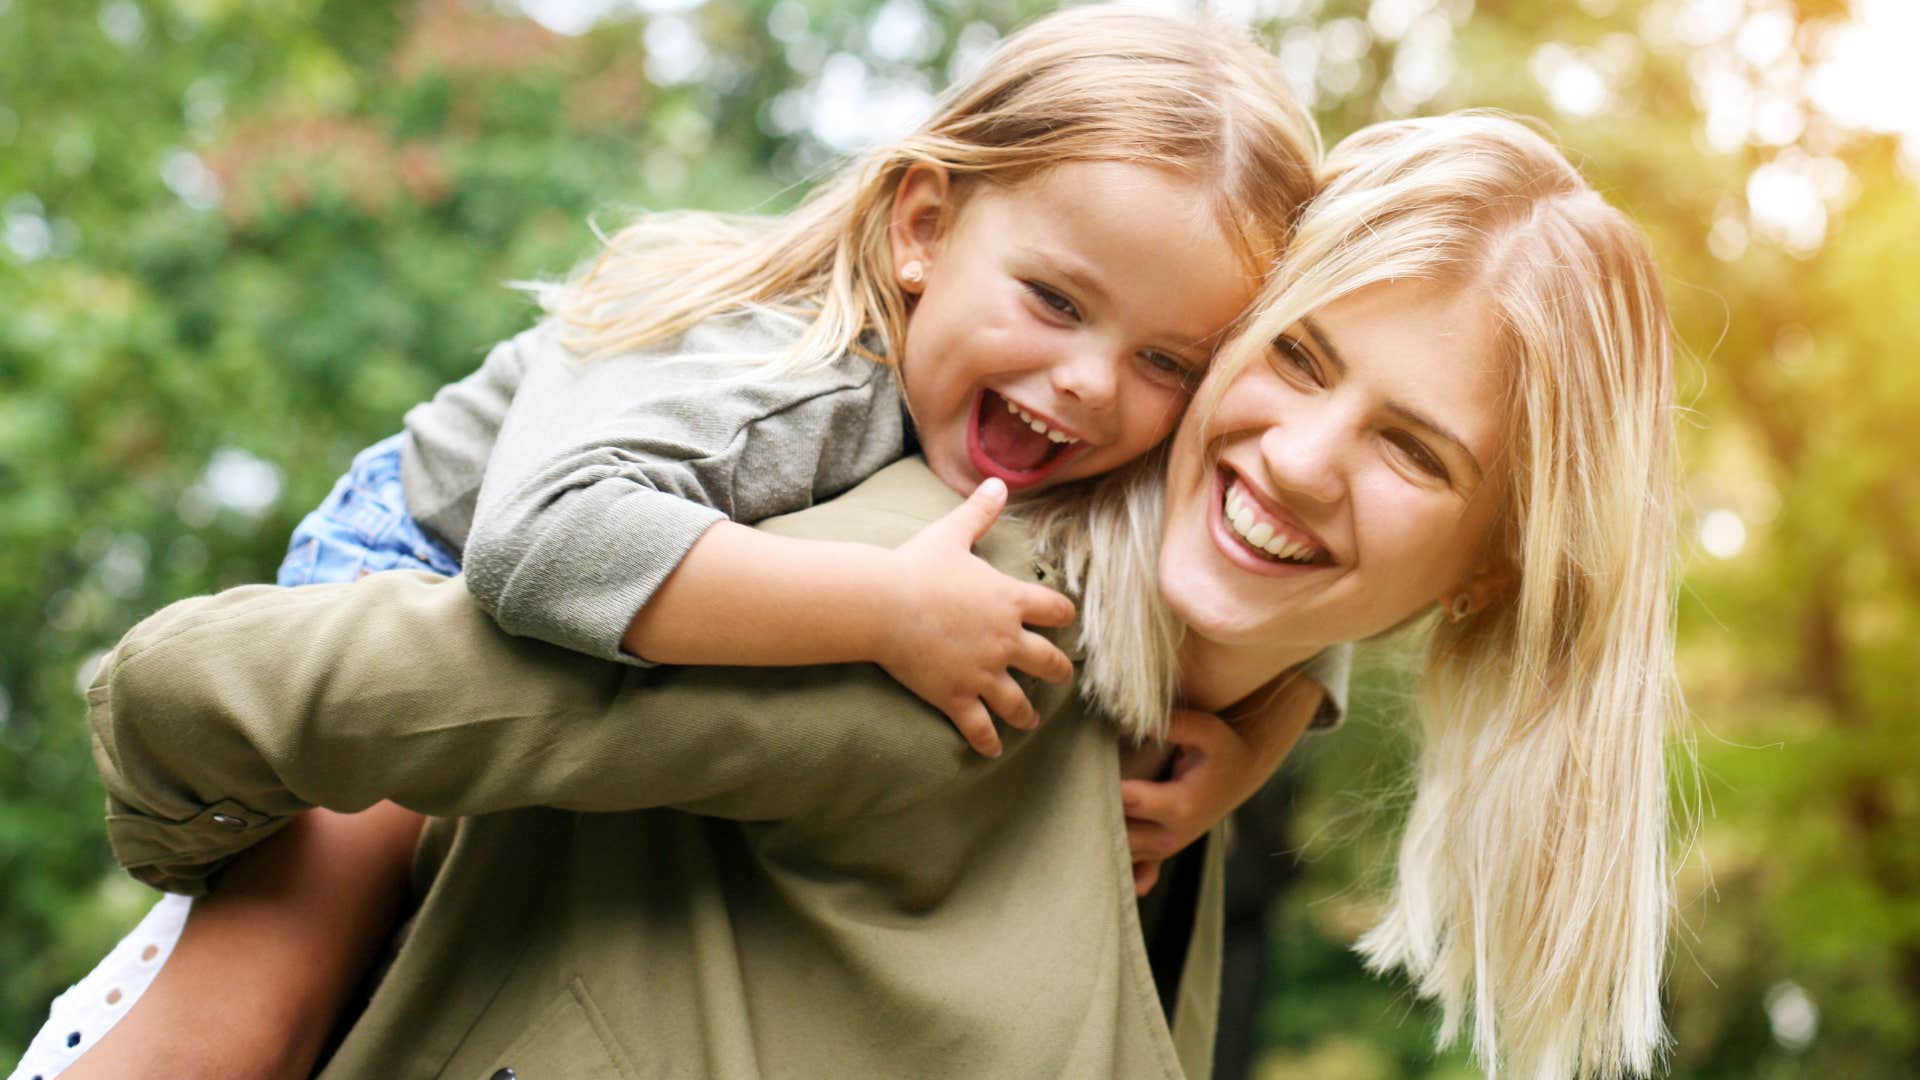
953 474
1206 605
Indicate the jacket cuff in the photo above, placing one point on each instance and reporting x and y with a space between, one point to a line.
183 856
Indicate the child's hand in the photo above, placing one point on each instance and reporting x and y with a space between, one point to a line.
1214 770
962 625
1216 767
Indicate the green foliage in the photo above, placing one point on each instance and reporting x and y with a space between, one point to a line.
237 241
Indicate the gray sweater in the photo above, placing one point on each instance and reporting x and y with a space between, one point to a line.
574 488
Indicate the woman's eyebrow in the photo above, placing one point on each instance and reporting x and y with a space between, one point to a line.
1410 415
1419 419
1326 347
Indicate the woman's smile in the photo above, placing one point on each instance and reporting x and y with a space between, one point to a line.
1254 531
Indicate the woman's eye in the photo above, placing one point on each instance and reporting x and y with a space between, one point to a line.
1293 358
1171 369
1422 458
1052 300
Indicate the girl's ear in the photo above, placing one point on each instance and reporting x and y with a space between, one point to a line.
921 205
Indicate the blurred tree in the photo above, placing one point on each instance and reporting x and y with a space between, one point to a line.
238 240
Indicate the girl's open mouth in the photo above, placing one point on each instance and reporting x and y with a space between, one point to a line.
1007 441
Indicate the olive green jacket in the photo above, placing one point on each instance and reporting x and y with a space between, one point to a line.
674 872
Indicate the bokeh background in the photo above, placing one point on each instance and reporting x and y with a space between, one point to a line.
238 240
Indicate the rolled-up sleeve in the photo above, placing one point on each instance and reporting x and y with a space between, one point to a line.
607 472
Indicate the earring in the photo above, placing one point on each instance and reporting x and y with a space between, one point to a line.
1460 607
913 273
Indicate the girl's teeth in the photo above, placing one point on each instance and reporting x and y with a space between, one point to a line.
1260 534
1038 425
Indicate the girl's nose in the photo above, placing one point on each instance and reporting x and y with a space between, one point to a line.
1304 454
1090 377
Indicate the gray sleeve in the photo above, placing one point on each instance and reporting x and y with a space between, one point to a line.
451 437
1330 668
606 473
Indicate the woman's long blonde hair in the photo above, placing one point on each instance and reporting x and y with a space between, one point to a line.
1533 884
1089 84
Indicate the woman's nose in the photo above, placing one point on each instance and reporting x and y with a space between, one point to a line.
1304 454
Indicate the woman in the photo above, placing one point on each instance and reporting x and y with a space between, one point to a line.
1454 396
1468 406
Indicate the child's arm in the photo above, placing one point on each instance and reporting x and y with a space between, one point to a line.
940 620
610 522
269 957
1216 766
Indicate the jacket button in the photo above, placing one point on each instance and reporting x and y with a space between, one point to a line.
504 1074
228 821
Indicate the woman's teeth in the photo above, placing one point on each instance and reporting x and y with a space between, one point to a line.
1040 425
1260 535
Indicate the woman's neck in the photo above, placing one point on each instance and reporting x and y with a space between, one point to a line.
1214 677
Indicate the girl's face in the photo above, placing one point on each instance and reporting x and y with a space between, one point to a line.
1061 322
1348 477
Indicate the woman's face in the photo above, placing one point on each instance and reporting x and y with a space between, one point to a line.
1348 477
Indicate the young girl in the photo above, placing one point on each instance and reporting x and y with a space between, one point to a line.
1455 400
1024 291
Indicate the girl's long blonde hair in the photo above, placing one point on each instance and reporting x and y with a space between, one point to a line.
1533 884
1088 84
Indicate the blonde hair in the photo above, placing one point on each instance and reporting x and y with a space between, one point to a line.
1533 883
1088 84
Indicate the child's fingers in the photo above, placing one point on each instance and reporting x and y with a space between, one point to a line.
1145 874
1153 801
1041 659
1041 606
1010 703
975 726
971 519
1198 732
1146 840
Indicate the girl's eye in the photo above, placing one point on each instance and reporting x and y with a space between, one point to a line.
1053 300
1294 359
1172 370
1419 456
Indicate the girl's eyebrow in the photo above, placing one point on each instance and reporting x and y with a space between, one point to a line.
1410 415
1083 276
1071 267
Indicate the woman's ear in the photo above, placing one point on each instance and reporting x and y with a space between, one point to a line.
1481 588
921 206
